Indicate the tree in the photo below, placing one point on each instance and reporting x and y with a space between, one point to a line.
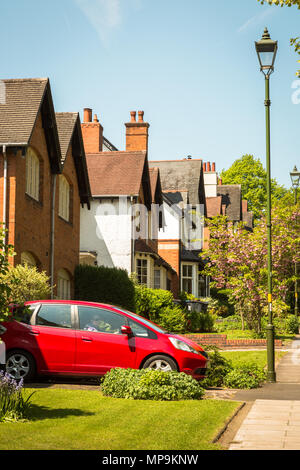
251 175
238 261
289 3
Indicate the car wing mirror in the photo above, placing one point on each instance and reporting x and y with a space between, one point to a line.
126 330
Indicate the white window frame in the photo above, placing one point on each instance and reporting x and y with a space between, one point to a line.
193 277
157 282
144 265
64 198
63 285
32 174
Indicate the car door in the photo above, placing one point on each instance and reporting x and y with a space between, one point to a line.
100 345
54 337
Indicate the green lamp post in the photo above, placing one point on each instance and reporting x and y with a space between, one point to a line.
295 177
266 50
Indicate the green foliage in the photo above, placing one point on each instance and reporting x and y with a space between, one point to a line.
149 303
172 319
14 405
27 283
147 384
5 252
251 175
245 376
233 322
219 367
102 284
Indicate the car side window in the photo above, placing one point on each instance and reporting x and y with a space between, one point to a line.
140 331
57 316
100 320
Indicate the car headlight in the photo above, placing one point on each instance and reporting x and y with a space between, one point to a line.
178 344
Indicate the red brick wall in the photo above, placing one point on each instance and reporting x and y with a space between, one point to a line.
221 341
29 221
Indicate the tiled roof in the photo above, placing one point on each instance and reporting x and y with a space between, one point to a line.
185 173
65 127
142 247
116 173
20 102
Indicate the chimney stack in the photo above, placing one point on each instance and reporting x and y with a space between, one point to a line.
92 132
136 133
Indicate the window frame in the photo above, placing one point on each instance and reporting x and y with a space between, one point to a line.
69 280
77 319
32 174
64 198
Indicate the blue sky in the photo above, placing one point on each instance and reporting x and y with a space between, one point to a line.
190 66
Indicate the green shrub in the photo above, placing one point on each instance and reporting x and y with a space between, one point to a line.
102 284
292 324
27 283
172 319
202 322
218 368
245 376
233 322
150 302
148 384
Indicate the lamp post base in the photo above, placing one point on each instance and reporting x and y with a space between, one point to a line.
271 375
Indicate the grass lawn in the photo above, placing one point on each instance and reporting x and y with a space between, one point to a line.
85 420
259 357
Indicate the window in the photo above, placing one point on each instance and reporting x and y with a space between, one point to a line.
57 316
100 320
28 259
140 331
64 198
142 270
156 278
187 278
63 284
32 174
201 286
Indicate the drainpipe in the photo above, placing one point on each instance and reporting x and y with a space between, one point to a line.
4 188
52 236
132 238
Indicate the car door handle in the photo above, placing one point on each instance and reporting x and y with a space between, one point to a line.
85 338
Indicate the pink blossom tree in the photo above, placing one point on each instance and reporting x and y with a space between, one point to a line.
238 261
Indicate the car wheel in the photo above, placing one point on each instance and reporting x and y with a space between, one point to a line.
20 365
163 363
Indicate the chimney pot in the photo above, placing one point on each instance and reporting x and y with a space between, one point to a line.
96 118
133 116
204 166
141 116
213 166
220 182
208 166
87 115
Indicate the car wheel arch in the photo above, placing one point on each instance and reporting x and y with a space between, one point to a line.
158 354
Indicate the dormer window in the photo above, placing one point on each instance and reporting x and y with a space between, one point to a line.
32 174
64 198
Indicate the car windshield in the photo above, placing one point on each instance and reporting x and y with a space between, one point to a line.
144 321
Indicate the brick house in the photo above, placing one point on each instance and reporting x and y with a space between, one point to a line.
43 181
120 229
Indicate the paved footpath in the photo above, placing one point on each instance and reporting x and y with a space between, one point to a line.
273 422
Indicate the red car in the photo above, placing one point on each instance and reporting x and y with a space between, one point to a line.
84 338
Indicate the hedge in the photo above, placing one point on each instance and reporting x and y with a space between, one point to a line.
106 285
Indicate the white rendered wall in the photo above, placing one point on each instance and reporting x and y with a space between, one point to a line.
107 230
171 231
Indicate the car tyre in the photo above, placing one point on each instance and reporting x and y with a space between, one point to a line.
160 362
20 365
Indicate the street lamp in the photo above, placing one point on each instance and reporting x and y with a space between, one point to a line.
295 177
266 50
